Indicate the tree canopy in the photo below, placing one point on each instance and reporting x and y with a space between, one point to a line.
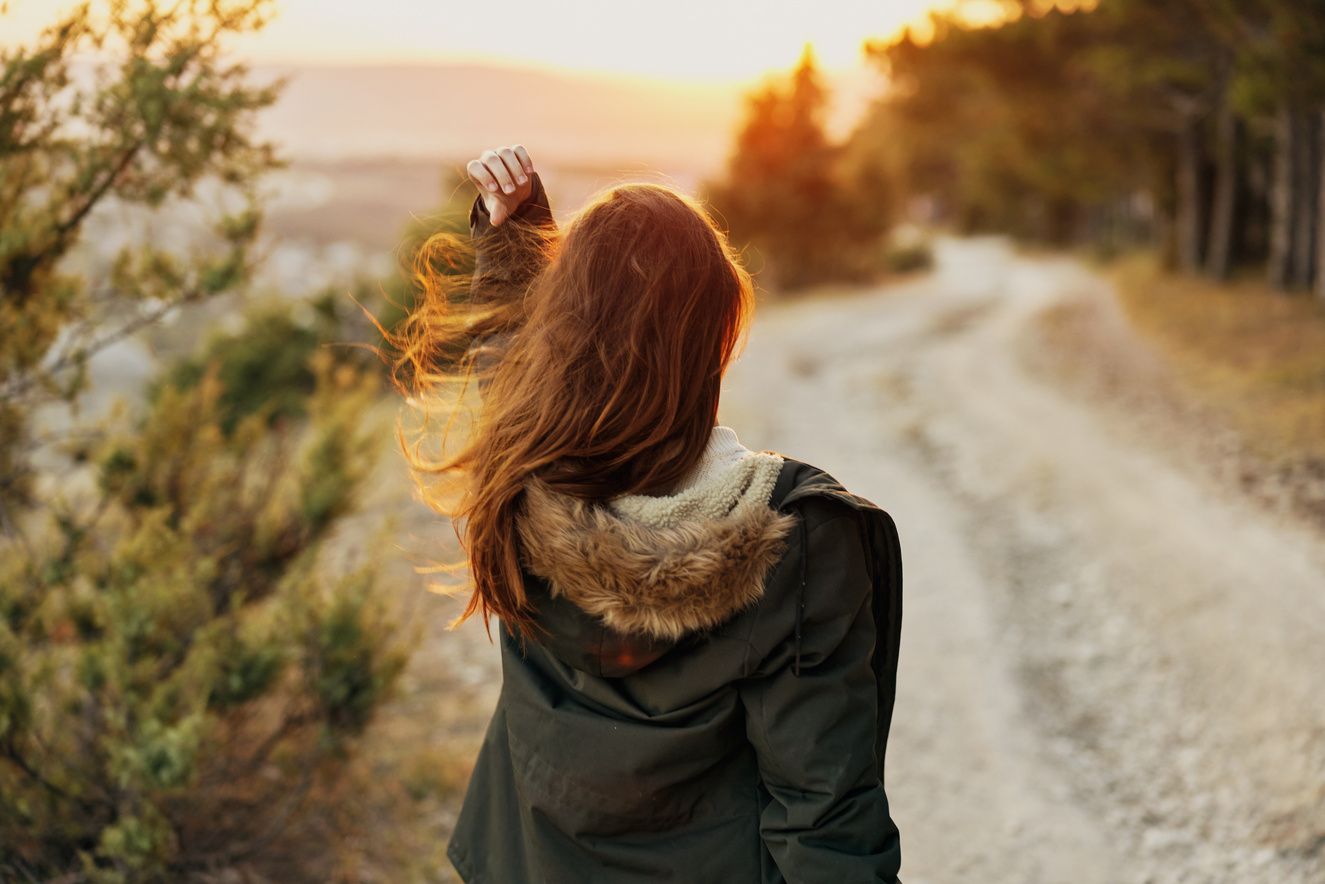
1193 124
811 211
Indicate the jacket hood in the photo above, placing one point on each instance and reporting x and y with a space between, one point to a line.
652 570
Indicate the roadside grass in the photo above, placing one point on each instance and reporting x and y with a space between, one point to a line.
1255 355
1229 378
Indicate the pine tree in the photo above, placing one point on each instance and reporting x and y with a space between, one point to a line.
786 194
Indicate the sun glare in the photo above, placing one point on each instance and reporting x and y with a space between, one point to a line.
684 40
689 40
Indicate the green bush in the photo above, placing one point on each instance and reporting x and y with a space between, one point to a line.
909 257
267 368
156 663
175 674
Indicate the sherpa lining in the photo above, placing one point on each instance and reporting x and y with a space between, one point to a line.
663 566
728 480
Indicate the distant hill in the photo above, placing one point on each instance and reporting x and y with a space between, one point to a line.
442 112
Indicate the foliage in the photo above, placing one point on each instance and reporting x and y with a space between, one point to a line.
163 656
1006 127
909 257
1194 125
175 672
170 114
813 211
268 368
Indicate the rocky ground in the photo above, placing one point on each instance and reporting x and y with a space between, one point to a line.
1112 669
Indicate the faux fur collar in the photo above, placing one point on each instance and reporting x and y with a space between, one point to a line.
662 580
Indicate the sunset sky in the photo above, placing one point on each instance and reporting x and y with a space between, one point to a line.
691 40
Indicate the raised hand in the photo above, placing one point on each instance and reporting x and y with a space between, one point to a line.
502 176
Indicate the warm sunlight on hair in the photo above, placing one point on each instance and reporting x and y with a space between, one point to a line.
584 390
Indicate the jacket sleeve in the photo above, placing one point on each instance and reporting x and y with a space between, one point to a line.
814 732
506 259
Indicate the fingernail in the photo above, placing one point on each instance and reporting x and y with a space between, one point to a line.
492 187
523 179
510 188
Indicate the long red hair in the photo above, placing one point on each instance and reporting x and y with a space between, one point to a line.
608 384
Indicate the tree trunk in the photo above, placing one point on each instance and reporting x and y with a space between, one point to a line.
1219 248
1251 238
1320 217
1281 201
1305 162
1189 195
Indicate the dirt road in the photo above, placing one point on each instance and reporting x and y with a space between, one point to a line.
1110 672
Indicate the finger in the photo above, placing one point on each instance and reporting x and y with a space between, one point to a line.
479 174
497 168
513 165
523 156
497 212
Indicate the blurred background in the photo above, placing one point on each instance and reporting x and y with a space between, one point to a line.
1045 280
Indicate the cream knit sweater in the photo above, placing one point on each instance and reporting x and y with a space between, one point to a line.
728 480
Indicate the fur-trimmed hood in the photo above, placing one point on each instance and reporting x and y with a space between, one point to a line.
663 567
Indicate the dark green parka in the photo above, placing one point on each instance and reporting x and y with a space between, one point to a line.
747 751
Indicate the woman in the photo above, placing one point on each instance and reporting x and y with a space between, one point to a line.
699 642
